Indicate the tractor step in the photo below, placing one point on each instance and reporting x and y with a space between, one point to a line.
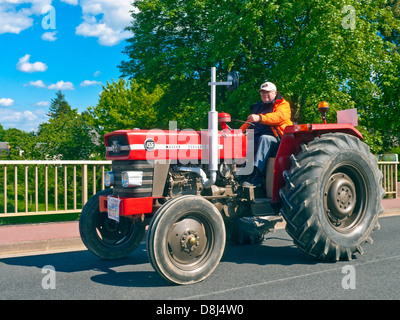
262 207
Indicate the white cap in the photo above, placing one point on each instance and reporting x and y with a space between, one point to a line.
267 86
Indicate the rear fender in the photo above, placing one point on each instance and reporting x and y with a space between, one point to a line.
291 141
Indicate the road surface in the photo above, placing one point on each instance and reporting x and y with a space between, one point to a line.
274 270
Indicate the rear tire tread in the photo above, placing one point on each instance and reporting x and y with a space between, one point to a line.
303 183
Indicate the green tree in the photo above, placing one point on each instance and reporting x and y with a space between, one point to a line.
23 145
313 50
1 133
125 105
383 117
67 135
58 106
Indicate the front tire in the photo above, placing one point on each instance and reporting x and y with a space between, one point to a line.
186 239
104 237
332 198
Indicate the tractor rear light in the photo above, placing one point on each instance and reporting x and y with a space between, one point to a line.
323 108
224 117
131 178
109 178
302 127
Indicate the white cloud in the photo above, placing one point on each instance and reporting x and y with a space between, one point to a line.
49 36
29 116
12 21
88 83
105 20
107 36
15 18
23 120
24 65
71 2
37 84
96 74
61 85
6 102
42 104
17 116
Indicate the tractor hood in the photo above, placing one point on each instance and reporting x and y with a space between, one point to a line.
183 145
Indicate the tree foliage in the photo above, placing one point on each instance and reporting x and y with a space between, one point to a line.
22 145
343 52
126 105
67 135
58 106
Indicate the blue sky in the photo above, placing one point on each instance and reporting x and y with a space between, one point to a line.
47 45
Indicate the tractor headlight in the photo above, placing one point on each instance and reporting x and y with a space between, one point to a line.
109 178
131 178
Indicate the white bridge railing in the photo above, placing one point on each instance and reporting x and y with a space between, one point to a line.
389 179
48 187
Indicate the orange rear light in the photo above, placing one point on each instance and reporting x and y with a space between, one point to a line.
323 104
302 127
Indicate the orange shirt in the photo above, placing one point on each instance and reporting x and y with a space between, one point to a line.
279 118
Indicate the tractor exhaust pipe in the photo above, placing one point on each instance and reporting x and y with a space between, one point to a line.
212 133
232 83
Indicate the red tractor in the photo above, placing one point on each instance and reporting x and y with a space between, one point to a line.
186 187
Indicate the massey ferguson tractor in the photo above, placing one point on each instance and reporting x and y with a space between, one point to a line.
185 188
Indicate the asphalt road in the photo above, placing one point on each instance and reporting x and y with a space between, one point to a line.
274 270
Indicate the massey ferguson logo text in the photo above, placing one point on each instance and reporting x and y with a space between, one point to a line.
192 147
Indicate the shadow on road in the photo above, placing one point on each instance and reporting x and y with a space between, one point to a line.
146 279
76 261
275 250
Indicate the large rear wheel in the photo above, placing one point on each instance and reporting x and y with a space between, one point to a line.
186 239
332 198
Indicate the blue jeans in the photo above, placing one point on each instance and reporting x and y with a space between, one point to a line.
266 146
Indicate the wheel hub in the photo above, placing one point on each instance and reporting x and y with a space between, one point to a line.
112 232
340 198
190 241
187 239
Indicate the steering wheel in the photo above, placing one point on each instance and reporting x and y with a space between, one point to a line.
249 123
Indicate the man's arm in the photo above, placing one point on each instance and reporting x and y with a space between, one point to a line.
282 114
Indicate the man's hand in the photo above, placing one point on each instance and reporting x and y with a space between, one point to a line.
254 118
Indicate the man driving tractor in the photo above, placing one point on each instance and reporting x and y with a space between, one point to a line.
269 117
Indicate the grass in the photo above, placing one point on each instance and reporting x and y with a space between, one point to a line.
34 217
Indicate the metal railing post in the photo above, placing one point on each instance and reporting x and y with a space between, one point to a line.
84 184
5 188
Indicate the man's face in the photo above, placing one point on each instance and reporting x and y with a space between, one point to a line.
267 96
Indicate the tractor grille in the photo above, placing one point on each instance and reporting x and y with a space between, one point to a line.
118 146
145 190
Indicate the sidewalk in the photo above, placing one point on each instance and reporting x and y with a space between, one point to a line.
31 238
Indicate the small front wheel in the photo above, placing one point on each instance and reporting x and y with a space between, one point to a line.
186 239
106 238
